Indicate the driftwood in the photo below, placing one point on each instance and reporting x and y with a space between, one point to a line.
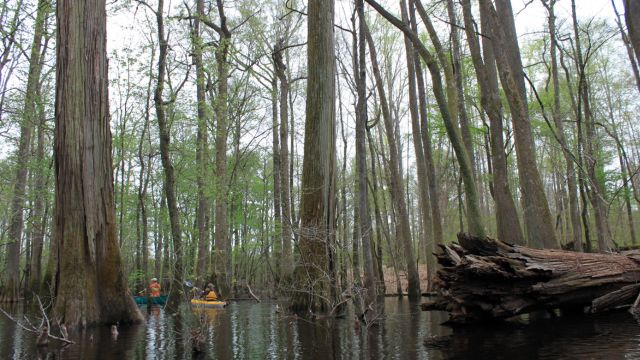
483 279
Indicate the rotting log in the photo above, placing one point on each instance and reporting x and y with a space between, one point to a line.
483 279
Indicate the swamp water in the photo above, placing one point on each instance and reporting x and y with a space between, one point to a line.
248 330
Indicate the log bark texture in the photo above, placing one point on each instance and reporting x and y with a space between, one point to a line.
483 279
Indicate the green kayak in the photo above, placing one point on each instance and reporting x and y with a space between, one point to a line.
142 300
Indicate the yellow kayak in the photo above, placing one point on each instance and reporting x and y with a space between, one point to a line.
208 304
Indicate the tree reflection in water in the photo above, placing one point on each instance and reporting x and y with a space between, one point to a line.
246 330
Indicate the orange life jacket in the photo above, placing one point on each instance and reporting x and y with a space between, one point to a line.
155 289
211 296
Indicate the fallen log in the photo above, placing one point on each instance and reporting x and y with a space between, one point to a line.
482 279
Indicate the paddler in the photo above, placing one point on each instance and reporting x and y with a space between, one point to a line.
209 293
154 287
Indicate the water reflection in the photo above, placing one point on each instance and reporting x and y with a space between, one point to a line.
247 330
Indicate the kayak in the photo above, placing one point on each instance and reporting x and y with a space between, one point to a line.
208 304
158 300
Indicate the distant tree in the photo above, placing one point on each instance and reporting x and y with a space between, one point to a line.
29 120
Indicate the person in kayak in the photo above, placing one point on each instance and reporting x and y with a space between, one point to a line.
154 287
209 293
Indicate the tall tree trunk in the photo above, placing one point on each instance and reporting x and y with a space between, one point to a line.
632 17
537 216
91 286
432 179
435 219
202 151
384 214
507 222
463 118
597 191
223 253
277 183
144 177
169 175
287 224
627 198
628 46
380 227
361 163
572 188
10 290
418 146
311 276
159 236
39 213
403 229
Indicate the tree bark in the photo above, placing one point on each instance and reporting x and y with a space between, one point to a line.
463 118
223 253
277 182
627 44
361 164
90 282
537 216
311 278
507 221
167 164
485 279
380 228
202 151
39 205
285 188
632 18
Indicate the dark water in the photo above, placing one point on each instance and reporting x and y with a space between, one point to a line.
246 330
